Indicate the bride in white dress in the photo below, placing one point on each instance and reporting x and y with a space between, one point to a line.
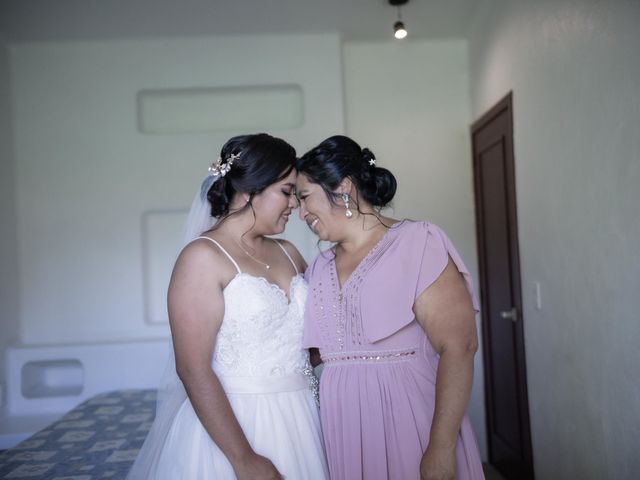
237 402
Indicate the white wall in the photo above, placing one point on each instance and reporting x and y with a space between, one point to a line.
9 323
574 69
85 176
409 103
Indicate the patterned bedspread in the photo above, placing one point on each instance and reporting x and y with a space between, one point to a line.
98 439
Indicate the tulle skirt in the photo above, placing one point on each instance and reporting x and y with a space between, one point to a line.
279 417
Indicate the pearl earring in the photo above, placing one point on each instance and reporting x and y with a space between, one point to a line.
345 198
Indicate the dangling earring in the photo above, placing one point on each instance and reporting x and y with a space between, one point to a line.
345 198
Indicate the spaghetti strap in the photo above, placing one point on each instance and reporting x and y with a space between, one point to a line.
223 251
287 254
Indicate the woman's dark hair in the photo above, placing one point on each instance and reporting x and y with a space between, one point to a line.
261 161
338 157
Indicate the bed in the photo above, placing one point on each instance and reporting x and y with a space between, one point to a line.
98 439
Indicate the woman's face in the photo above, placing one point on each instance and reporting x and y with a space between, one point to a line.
322 217
273 205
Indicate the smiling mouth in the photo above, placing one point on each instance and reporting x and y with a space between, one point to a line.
313 223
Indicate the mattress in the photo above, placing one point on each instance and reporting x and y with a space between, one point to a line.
98 439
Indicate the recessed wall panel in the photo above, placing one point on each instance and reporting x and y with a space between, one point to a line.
263 107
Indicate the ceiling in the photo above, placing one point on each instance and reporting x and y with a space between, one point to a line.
44 20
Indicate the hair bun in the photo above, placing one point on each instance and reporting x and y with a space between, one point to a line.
368 157
220 195
379 187
339 157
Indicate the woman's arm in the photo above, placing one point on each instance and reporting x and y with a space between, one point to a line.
196 308
446 313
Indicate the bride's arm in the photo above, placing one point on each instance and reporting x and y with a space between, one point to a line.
196 308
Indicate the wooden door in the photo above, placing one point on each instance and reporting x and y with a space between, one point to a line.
509 437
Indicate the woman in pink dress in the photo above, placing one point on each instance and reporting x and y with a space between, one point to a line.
392 311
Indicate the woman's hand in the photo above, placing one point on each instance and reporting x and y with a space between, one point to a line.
256 467
438 464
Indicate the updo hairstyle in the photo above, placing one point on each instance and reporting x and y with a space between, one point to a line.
263 160
338 157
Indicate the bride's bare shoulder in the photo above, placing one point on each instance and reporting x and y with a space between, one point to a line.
205 257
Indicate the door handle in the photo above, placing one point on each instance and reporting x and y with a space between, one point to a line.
510 314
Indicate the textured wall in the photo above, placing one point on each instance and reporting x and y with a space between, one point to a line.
574 69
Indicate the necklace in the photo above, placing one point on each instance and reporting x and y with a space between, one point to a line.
265 265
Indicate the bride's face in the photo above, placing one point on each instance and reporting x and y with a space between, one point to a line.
274 204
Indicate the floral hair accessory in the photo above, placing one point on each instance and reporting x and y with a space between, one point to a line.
221 167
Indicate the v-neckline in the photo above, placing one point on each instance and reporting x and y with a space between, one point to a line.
376 246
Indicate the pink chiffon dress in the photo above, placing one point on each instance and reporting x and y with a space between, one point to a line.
377 389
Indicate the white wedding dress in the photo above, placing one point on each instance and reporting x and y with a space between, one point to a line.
260 362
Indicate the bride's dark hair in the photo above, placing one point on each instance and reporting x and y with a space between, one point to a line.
262 161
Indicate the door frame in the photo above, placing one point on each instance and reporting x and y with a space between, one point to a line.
505 105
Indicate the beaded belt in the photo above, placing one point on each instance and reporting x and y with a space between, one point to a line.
368 357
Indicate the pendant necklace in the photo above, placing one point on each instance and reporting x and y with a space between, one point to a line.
265 265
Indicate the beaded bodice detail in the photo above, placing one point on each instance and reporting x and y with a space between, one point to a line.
340 318
261 332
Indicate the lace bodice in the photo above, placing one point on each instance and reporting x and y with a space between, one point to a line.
261 332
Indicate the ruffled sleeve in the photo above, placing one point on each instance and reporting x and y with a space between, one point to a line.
412 262
438 249
310 335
